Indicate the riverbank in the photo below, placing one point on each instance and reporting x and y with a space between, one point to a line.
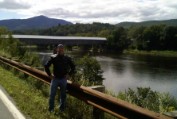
152 53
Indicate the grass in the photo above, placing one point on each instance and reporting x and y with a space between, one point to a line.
2 53
30 100
153 53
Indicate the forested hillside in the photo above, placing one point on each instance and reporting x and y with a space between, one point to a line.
172 22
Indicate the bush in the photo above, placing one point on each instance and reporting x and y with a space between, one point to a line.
89 71
152 100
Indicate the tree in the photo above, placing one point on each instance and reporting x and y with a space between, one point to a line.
169 38
118 39
136 35
152 36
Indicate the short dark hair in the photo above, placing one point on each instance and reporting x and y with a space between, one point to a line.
60 46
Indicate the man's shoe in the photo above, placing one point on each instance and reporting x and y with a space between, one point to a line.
51 111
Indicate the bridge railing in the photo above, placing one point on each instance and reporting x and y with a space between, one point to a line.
116 107
67 40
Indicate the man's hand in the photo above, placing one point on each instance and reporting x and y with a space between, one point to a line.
73 78
51 77
67 77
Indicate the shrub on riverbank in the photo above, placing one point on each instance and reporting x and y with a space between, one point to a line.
147 98
89 71
10 47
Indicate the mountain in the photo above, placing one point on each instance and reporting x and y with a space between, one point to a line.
172 22
38 22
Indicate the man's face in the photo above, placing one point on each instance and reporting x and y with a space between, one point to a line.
60 50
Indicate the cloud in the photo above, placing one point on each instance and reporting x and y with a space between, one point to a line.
112 11
157 10
58 12
12 4
89 11
109 11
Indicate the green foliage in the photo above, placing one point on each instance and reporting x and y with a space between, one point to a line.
169 38
172 22
152 100
31 59
29 100
118 40
136 35
3 31
24 92
89 71
152 53
141 37
157 37
14 48
77 109
95 29
167 103
151 37
3 40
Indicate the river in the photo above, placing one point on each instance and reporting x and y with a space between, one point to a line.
131 71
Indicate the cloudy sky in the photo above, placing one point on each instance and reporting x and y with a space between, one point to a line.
88 11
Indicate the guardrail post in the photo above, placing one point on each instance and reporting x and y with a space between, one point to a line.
97 113
172 114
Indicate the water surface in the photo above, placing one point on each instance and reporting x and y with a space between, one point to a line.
130 71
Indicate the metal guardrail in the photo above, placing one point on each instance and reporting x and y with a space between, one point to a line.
116 107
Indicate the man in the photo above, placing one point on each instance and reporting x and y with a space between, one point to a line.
62 68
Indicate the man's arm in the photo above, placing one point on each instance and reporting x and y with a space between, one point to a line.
47 66
72 66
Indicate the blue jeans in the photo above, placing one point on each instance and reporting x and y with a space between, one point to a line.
55 83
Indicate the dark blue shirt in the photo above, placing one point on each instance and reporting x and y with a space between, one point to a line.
62 65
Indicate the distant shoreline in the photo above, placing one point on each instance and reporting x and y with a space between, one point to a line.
152 53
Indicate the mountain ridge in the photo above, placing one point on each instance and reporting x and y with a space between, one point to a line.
43 22
37 22
170 22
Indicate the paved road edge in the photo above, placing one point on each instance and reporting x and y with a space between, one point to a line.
11 107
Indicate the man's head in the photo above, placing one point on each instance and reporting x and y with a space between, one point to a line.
60 49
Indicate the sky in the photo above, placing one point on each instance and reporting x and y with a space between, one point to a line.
89 11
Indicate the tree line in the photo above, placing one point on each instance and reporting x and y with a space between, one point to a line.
155 37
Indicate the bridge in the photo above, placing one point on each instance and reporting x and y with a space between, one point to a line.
67 40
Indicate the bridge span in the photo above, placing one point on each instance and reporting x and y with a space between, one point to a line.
67 40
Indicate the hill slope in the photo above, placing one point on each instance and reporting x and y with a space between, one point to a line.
172 22
39 22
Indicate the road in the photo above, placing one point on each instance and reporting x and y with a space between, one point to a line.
7 109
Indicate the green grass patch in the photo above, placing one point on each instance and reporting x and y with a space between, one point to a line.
152 53
30 100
